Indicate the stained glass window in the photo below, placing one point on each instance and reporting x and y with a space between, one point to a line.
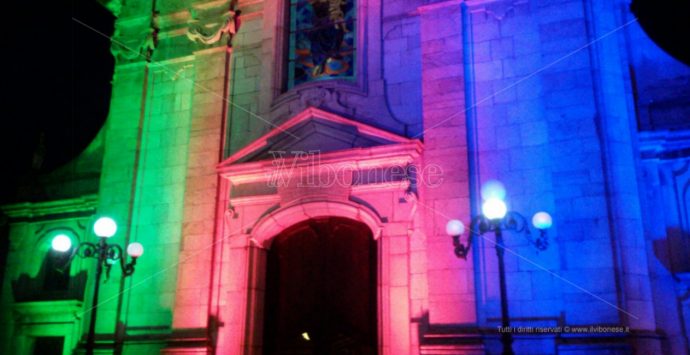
322 40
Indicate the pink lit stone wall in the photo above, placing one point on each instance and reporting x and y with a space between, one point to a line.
200 194
451 281
513 135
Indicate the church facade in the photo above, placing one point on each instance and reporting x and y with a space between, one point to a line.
291 166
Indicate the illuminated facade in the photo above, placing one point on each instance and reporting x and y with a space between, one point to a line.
290 167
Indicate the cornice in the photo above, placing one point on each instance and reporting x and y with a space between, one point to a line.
28 210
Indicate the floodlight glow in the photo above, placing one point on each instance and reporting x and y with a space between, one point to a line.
493 189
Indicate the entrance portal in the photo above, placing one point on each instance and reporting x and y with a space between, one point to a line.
321 289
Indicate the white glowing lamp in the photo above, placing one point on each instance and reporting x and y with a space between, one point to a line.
61 243
542 220
105 227
455 227
494 208
135 250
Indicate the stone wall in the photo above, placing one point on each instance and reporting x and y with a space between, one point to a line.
538 94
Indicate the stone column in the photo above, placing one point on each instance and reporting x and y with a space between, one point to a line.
446 196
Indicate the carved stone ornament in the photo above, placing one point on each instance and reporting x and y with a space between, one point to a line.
316 97
501 8
324 96
228 216
205 29
144 49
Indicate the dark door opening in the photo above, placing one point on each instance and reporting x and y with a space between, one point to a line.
48 345
321 289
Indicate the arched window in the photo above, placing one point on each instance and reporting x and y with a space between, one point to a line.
322 40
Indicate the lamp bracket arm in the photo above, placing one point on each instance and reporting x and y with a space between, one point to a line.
86 250
516 222
113 252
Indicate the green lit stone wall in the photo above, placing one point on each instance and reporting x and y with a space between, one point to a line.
142 187
29 309
162 145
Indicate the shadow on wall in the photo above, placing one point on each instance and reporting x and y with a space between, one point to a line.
4 245
196 337
674 251
50 284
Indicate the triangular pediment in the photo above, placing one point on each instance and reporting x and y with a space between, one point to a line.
314 130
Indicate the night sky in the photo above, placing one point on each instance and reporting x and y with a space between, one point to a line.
667 23
59 85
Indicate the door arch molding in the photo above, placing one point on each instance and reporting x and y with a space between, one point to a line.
392 263
277 221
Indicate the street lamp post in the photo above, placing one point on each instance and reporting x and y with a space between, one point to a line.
106 255
496 218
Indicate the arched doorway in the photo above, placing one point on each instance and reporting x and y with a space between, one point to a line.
321 289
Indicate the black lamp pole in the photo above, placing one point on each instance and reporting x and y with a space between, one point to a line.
94 304
512 221
106 255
